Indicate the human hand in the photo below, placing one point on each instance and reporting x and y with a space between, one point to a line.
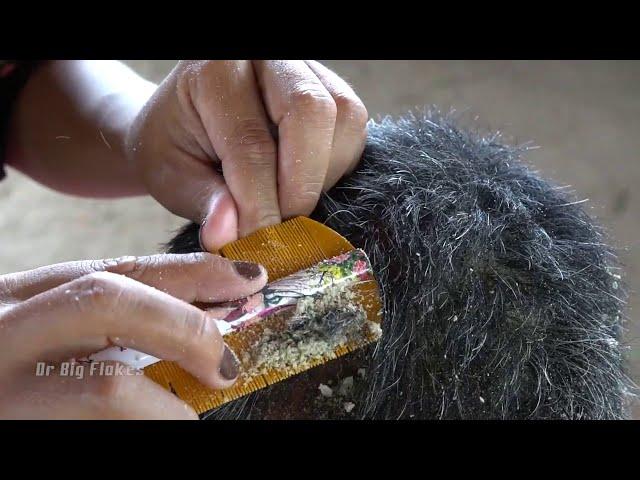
209 113
70 310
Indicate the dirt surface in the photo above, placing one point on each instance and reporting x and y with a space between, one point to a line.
585 116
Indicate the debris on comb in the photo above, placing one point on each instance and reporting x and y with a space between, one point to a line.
322 302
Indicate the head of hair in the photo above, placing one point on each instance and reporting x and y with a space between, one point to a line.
501 296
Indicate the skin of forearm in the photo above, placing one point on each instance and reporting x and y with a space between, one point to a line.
69 127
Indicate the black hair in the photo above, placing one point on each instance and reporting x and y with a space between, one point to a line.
501 296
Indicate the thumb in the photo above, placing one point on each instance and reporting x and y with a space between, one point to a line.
220 224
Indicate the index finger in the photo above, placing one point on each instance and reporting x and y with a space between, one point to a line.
305 113
227 99
192 277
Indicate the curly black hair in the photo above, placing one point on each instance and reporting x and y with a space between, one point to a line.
502 299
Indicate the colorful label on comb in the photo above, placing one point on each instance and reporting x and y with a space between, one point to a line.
285 293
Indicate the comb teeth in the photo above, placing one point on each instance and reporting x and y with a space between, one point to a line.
283 250
278 374
272 246
203 399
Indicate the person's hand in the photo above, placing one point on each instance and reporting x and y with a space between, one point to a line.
70 310
282 131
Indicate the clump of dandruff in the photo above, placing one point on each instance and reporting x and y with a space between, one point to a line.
318 326
336 400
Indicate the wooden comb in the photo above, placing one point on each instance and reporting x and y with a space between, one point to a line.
296 245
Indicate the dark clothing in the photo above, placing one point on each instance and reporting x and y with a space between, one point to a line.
13 76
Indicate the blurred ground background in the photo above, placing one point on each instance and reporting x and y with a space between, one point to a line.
585 116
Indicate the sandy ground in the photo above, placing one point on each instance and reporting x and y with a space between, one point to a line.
585 116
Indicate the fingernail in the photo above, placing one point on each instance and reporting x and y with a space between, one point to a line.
248 270
230 365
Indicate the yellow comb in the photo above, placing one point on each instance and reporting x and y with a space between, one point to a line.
284 249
